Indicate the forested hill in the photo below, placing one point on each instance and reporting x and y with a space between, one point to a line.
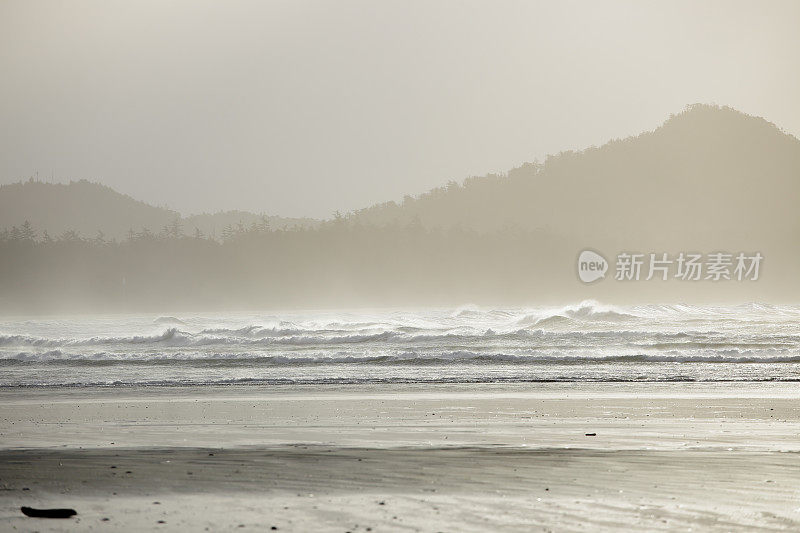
708 172
79 206
708 176
87 208
709 180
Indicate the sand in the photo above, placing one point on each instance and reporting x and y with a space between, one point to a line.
509 457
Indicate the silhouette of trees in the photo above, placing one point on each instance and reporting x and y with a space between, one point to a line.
174 229
26 232
339 263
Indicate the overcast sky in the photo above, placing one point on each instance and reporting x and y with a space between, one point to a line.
302 108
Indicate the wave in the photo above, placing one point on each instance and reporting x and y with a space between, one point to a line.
408 358
587 310
171 334
586 341
257 336
169 320
226 382
255 331
592 310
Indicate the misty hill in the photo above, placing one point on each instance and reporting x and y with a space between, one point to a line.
707 175
86 208
708 180
79 206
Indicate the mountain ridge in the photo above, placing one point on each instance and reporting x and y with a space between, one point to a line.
91 208
686 166
726 170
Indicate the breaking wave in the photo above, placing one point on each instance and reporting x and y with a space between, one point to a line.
581 342
403 358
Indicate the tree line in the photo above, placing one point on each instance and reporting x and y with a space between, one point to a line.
26 233
340 263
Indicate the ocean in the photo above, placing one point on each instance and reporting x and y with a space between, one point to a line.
585 342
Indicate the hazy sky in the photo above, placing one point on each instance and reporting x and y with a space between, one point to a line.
301 108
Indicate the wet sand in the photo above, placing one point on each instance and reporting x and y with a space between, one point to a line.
405 457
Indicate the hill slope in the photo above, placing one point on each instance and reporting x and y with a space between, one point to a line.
709 173
87 208
79 206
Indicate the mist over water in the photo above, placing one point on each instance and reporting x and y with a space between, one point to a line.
587 341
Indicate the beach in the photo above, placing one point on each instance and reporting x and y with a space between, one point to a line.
426 267
404 457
